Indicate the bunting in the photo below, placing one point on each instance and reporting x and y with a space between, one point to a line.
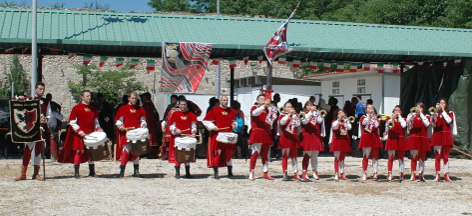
353 67
296 62
150 65
103 59
119 61
71 55
87 59
232 62
314 64
282 59
340 67
134 62
246 60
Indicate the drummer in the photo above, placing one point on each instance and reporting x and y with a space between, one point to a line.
83 120
128 117
220 119
181 123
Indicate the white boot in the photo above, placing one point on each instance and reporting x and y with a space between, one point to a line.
251 175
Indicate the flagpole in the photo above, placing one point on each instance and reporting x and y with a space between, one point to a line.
218 80
34 48
269 76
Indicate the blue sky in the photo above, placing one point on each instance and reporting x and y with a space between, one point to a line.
117 5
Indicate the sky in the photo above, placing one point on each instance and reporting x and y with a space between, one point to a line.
117 5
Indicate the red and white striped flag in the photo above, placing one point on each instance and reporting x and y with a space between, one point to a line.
353 67
71 55
134 63
395 68
87 59
296 62
282 59
457 62
366 66
420 64
340 67
150 65
103 59
327 66
8 51
260 57
246 60
444 65
380 68
232 62
314 64
119 61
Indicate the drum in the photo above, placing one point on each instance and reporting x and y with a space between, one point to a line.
138 138
95 139
185 149
227 137
101 152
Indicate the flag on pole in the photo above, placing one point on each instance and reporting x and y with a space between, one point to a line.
340 67
366 66
327 66
380 68
296 62
353 67
103 59
71 55
134 63
150 65
246 60
277 44
215 61
87 59
232 62
314 64
395 68
119 61
282 59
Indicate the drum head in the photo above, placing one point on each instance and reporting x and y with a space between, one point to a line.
95 139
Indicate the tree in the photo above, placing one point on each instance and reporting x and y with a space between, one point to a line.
17 77
111 83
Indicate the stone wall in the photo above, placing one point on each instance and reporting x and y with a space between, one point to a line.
58 70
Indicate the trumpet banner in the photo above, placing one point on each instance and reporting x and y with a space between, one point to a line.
25 121
183 66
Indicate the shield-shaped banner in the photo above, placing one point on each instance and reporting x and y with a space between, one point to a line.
25 121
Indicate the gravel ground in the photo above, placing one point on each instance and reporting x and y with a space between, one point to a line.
161 193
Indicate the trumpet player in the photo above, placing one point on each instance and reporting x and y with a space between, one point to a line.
312 130
262 119
444 126
340 143
370 141
289 125
396 141
418 140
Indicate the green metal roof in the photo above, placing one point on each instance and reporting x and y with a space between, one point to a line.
141 34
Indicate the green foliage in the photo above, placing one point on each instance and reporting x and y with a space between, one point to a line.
59 5
16 75
438 13
12 4
96 6
111 83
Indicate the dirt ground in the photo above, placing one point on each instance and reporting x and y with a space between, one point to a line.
160 193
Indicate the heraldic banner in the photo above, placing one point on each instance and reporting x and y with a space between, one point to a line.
183 66
25 121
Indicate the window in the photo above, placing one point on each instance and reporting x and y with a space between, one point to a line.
361 82
360 90
336 84
335 91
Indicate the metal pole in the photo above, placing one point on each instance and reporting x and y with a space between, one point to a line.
34 48
269 76
218 80
218 7
12 91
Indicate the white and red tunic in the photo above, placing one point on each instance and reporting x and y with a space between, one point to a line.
396 140
131 116
443 131
418 132
289 130
223 118
262 119
339 139
186 122
313 130
83 118
369 133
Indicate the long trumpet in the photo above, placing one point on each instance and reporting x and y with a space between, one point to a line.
413 110
351 119
302 115
390 124
323 113
432 110
382 116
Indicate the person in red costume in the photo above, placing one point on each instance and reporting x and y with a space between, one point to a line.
289 125
262 119
396 141
181 123
340 143
370 141
128 117
444 126
418 140
83 120
36 146
312 130
152 119
220 119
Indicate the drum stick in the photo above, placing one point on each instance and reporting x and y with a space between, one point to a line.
130 128
223 128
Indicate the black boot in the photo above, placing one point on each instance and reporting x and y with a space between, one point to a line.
76 171
92 170
122 171
177 172
230 171
187 172
136 171
215 169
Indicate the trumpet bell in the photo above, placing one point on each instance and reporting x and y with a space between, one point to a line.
301 115
414 110
281 109
323 113
390 124
432 110
351 119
